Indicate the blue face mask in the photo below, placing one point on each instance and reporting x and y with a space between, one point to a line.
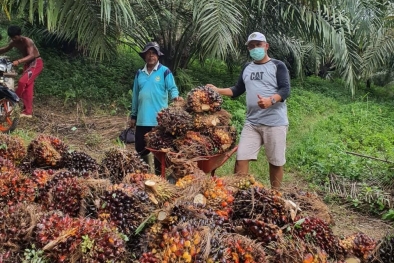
257 53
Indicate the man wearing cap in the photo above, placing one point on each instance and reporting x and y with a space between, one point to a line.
266 82
153 85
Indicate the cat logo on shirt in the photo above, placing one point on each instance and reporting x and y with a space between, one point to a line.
157 78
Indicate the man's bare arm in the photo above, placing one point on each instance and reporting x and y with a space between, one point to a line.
6 48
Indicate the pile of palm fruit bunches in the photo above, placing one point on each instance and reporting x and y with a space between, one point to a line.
60 205
198 126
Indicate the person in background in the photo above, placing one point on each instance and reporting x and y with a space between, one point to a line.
33 66
266 82
153 86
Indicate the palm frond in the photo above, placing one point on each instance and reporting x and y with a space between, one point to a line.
368 192
5 9
217 24
375 55
94 24
288 48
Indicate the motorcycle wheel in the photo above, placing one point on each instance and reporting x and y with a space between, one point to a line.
9 115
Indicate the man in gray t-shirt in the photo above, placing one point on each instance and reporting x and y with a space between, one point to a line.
266 82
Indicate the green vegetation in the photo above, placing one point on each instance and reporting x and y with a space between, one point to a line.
34 255
78 79
326 128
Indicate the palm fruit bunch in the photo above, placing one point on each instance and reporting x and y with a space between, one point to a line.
12 148
384 251
181 217
263 204
185 181
180 166
8 255
311 203
185 242
290 249
15 224
137 178
159 140
218 195
91 201
203 99
243 249
203 121
223 137
104 243
158 189
46 151
85 240
63 192
197 215
318 232
358 244
149 241
15 187
117 163
81 162
194 144
181 213
125 206
363 245
212 219
26 166
174 120
56 234
148 257
41 177
214 248
319 257
7 167
259 230
179 243
223 116
241 181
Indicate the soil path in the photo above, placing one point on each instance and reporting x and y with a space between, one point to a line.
96 132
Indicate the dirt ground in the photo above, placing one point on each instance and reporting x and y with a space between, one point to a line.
95 132
81 129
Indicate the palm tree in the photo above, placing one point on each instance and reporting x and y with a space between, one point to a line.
339 35
188 29
377 57
334 33
95 25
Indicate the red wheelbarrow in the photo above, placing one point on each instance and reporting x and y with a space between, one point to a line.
208 164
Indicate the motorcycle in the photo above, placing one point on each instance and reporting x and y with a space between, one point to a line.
10 104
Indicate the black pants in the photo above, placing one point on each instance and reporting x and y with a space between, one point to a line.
140 145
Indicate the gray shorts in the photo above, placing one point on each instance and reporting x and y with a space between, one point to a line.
255 136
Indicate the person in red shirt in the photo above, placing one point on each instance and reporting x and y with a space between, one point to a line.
33 66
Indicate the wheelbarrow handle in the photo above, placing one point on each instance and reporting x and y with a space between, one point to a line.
228 155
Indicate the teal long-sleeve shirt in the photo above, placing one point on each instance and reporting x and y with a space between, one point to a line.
151 94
